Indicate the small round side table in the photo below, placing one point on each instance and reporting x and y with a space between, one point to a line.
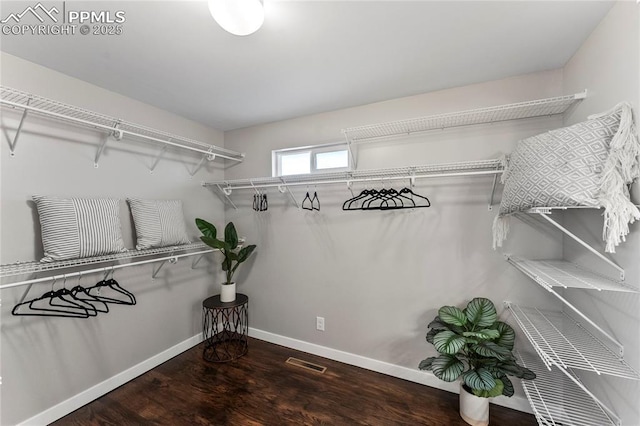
225 326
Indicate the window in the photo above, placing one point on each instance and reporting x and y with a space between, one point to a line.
310 160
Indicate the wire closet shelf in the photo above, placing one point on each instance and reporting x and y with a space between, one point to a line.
24 268
563 342
560 399
563 274
39 105
516 111
469 168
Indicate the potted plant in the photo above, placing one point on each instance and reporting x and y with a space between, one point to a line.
477 348
232 255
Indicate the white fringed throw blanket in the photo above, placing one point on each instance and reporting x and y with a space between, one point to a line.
591 164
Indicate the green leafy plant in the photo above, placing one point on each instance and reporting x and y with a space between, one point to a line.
475 346
229 247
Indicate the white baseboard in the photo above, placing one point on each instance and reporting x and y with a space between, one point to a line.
413 375
68 406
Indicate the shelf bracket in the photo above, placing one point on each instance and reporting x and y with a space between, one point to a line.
24 295
284 187
172 260
12 145
156 270
412 177
99 153
349 176
493 191
116 134
209 157
353 158
546 215
157 159
226 192
196 261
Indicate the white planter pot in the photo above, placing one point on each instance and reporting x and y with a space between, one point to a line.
473 409
228 292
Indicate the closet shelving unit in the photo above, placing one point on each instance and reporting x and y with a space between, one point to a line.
470 168
355 135
563 343
515 111
118 128
561 399
115 261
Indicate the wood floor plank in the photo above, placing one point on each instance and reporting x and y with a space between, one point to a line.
261 389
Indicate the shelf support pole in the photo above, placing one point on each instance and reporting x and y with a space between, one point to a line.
582 243
12 145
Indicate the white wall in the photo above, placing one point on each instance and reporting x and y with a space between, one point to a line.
379 277
47 360
607 65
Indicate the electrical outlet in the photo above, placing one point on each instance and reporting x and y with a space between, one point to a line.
320 323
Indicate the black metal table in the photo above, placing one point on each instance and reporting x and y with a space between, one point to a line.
225 326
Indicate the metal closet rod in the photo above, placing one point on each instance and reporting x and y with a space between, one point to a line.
227 186
102 269
121 131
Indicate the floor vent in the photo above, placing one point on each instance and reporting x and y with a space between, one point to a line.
307 365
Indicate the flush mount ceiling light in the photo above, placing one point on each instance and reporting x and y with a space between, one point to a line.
239 17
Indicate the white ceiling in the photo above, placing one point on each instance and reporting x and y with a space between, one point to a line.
309 56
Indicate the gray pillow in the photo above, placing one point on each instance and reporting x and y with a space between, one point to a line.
158 223
588 164
75 228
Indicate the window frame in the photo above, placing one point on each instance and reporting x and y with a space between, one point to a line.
313 150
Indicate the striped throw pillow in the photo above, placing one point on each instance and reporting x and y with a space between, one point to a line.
159 223
74 228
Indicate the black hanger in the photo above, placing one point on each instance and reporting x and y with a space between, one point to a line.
379 199
307 198
64 298
81 293
347 205
120 295
413 194
386 199
43 307
409 200
315 200
393 197
260 203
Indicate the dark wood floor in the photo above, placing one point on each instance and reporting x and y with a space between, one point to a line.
260 389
